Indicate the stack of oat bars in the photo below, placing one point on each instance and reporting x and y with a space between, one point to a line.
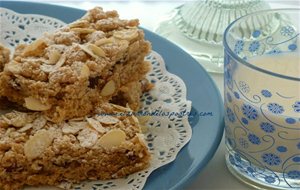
69 87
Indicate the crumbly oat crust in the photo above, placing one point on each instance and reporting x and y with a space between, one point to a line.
67 73
35 151
4 56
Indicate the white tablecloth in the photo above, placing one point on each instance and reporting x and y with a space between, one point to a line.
215 175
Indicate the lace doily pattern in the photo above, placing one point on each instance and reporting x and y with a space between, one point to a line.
24 28
168 129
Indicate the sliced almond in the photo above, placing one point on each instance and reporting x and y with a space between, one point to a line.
79 24
13 67
51 68
104 41
96 50
85 71
107 119
87 138
108 89
69 129
131 27
112 138
47 68
54 56
26 127
35 47
77 119
38 143
35 104
128 34
121 108
61 61
83 30
88 51
96 125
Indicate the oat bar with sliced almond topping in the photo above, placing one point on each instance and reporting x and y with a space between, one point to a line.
35 151
67 73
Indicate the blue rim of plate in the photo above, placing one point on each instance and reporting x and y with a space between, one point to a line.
201 90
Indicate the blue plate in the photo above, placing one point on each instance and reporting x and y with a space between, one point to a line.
205 97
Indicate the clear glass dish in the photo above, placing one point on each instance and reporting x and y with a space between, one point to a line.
198 27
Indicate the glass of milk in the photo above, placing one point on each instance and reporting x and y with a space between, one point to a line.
262 98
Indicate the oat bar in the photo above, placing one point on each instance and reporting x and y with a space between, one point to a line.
35 151
68 73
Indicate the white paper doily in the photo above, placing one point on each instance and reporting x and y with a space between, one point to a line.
168 128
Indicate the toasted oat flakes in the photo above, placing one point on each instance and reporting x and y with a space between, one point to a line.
107 119
69 129
87 137
17 119
96 125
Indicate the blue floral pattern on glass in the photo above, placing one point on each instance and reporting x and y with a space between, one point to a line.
271 159
274 52
230 115
237 157
254 46
239 45
296 106
287 31
254 139
266 93
245 121
290 120
250 170
226 60
281 149
249 111
228 78
231 159
269 179
294 174
267 127
244 87
229 98
275 108
256 33
236 95
292 47
244 143
296 159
